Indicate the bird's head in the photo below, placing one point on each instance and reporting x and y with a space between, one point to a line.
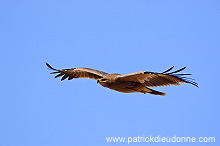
103 80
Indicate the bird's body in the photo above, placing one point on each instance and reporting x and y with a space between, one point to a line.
135 82
114 83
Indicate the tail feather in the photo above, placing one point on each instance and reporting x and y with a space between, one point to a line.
156 92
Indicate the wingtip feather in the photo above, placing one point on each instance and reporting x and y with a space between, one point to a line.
177 70
50 67
168 69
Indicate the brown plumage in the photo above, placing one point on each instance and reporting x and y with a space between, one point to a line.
135 82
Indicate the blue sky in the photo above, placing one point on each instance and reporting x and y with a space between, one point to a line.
122 36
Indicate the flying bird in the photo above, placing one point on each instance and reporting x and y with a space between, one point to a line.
130 83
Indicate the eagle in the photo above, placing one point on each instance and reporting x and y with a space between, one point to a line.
130 83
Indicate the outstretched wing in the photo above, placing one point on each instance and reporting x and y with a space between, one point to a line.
77 73
153 79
